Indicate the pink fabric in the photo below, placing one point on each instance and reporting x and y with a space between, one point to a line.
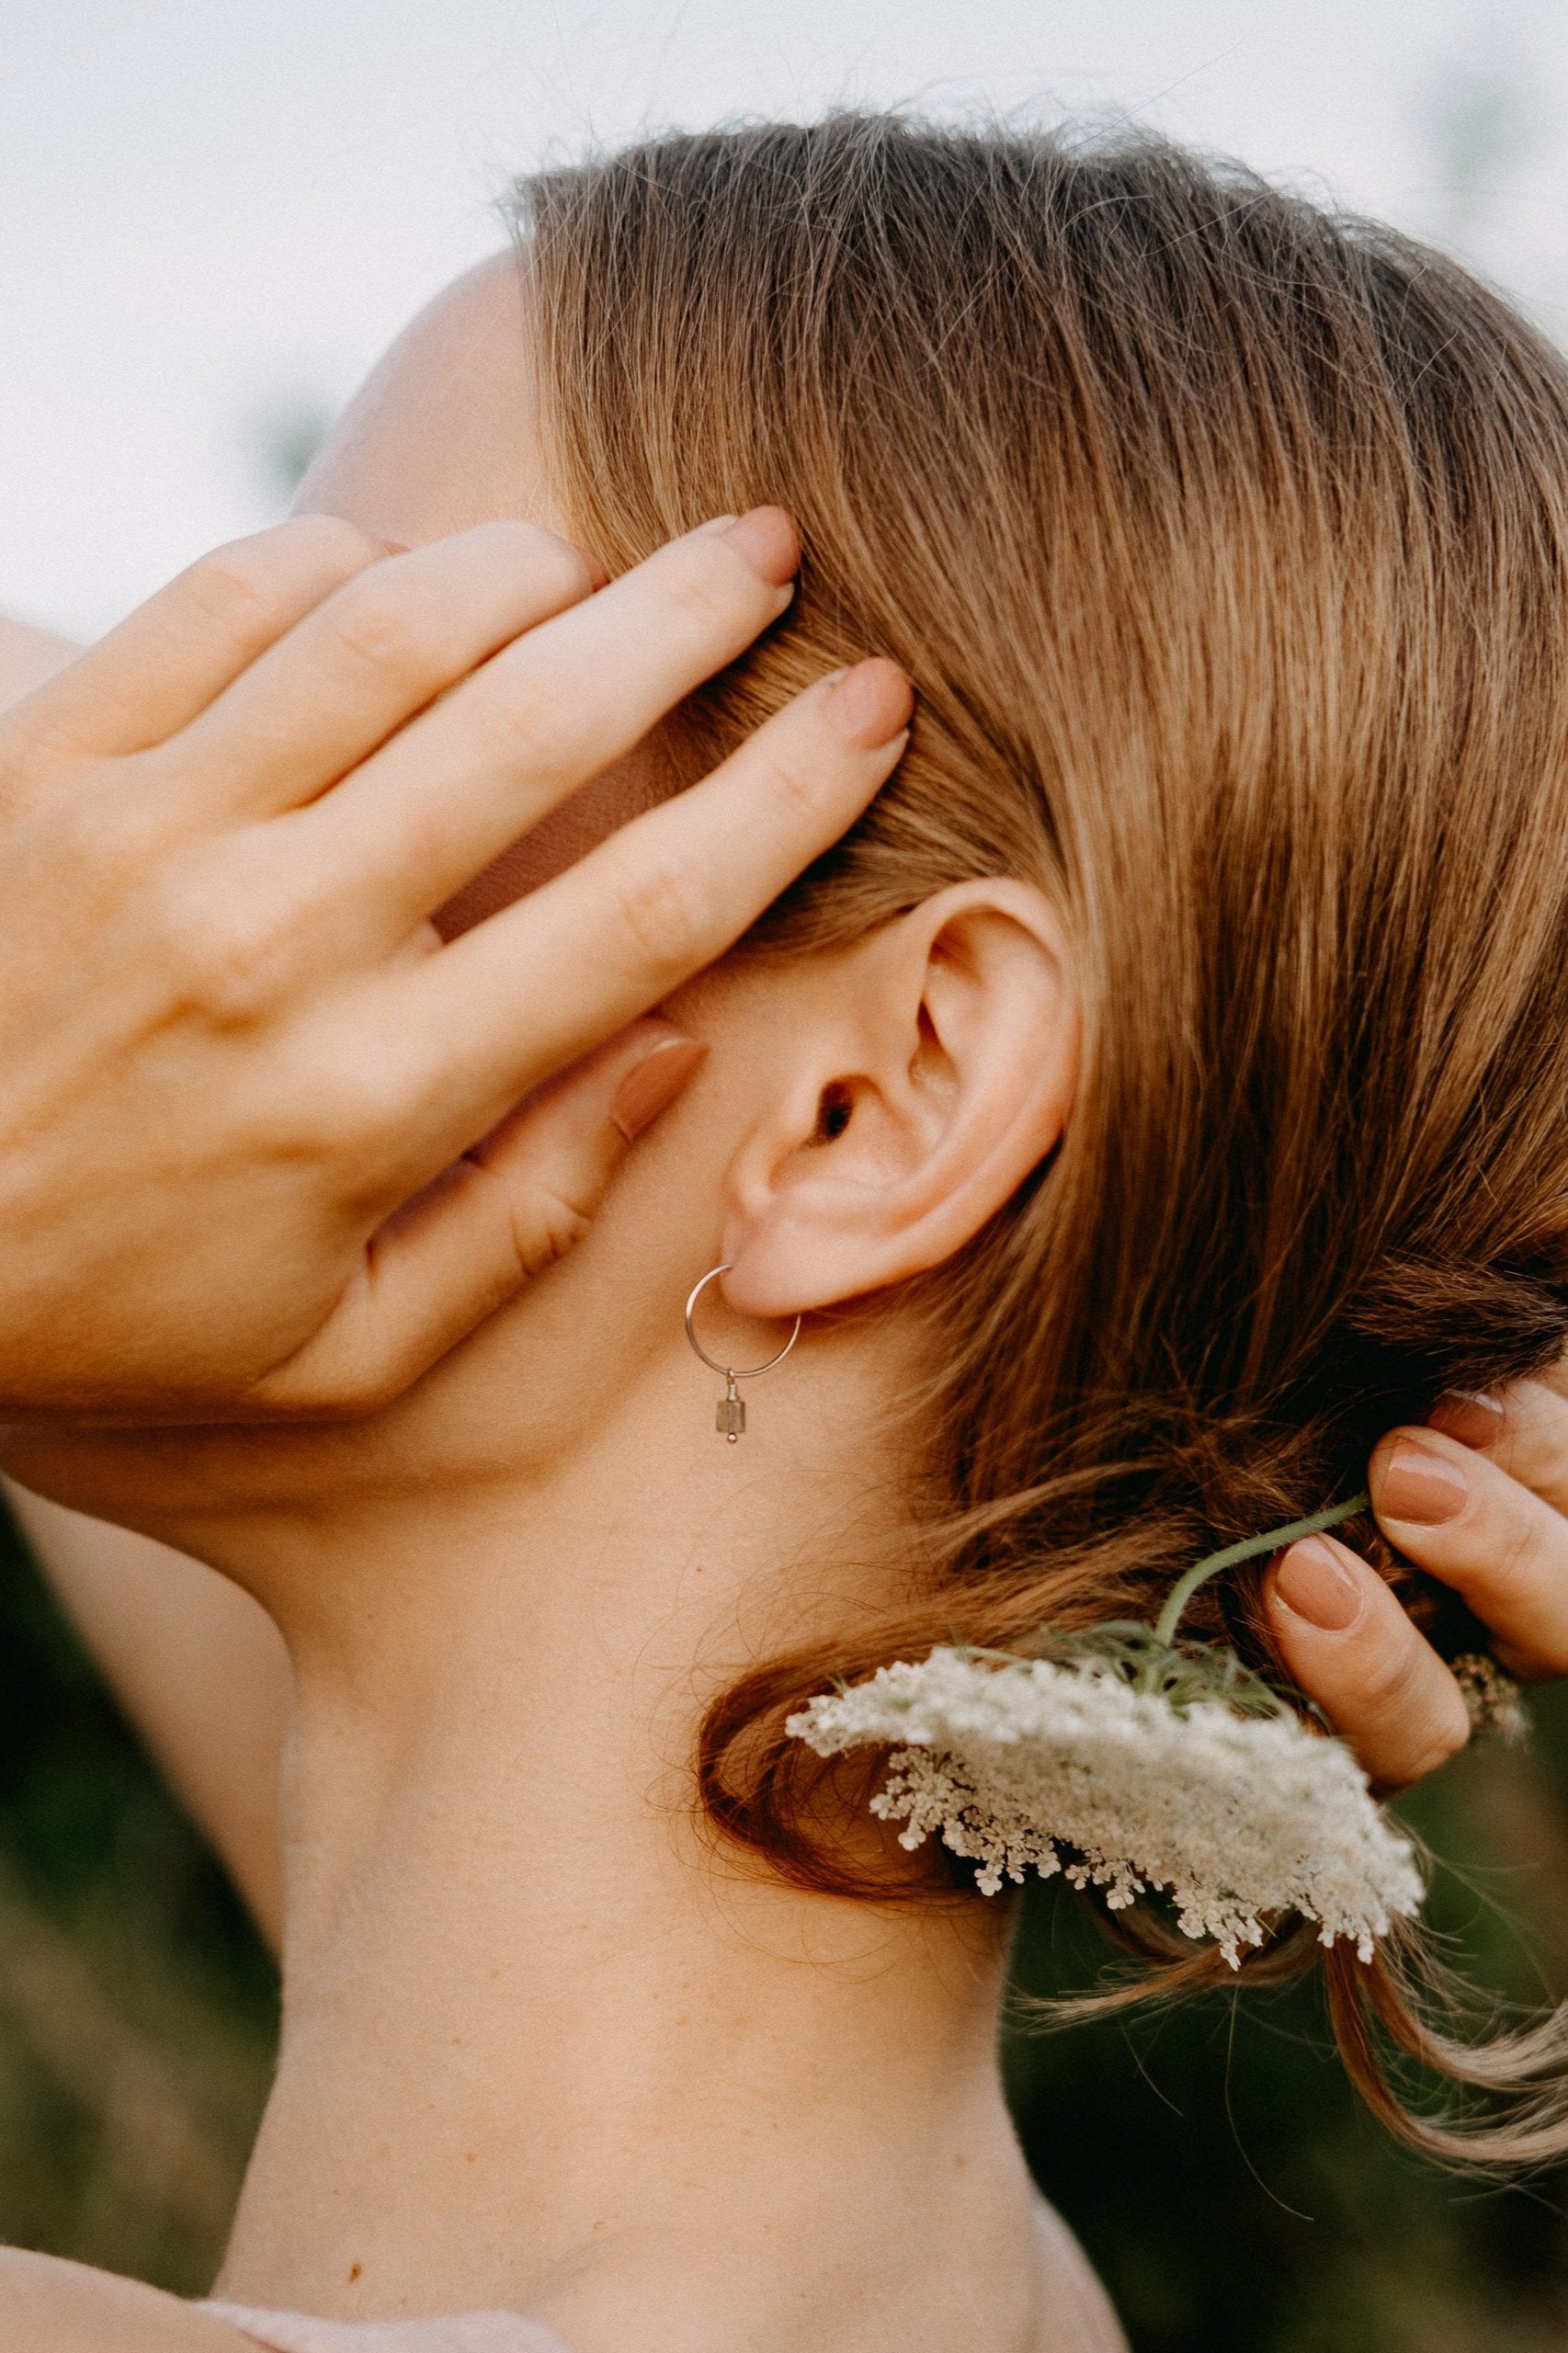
1082 2306
465 2332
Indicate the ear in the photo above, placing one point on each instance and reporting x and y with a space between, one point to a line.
931 1068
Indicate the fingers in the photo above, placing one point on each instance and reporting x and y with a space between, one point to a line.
470 1030
1523 1430
325 696
498 1217
458 785
1476 1498
1461 1516
163 665
1343 1639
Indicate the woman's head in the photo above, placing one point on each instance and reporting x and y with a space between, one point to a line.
1227 547
1225 544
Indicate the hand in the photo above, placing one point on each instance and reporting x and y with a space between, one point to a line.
1477 1498
239 1070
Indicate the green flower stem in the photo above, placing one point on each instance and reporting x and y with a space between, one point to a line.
1273 1540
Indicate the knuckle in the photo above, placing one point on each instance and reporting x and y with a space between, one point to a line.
523 721
661 909
251 586
220 963
98 830
329 541
552 564
704 587
241 587
550 1226
102 841
1521 1545
225 954
1443 1734
794 784
1535 1443
374 629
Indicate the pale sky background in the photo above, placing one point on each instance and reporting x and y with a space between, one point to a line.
214 213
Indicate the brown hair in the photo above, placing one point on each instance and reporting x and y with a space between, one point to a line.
1226 545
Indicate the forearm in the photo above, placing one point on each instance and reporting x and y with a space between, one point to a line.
200 1669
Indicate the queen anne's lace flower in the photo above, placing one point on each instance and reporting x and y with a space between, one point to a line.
1493 1699
1236 1807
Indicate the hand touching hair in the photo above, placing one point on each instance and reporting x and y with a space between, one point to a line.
1227 543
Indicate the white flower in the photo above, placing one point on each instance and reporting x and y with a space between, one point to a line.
1493 1699
1239 1815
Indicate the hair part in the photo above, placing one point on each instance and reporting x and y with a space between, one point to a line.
1226 545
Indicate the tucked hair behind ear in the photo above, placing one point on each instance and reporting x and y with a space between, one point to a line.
1227 543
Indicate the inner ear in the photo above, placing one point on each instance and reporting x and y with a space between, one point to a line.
835 1108
932 1063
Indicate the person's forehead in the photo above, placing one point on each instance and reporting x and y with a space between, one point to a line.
444 433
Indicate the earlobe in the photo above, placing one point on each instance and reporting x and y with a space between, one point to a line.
932 1070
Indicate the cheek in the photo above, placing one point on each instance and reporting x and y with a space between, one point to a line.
639 781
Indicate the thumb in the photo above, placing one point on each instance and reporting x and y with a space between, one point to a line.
468 1242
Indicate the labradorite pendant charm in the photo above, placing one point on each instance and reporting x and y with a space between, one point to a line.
729 1415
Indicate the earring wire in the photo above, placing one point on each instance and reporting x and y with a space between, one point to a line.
730 1414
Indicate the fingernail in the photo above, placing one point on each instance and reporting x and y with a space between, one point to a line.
1313 1581
1416 1484
1470 1415
656 1081
769 542
870 704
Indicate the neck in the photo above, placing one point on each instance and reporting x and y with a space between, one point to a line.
539 2032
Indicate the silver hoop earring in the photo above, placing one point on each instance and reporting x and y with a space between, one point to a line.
730 1414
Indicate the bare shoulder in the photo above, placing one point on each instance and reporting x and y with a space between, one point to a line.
48 2306
1074 2288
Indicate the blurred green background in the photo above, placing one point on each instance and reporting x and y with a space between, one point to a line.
1234 2195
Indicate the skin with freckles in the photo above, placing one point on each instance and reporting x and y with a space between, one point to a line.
544 2048
408 461
444 434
